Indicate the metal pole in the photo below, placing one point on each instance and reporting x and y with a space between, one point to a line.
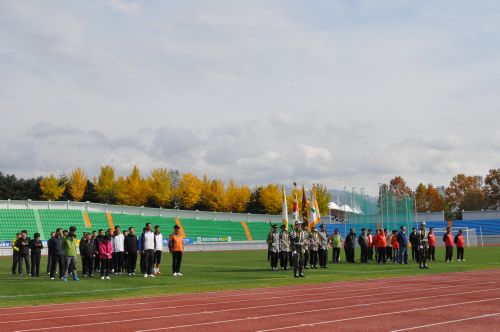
481 232
381 203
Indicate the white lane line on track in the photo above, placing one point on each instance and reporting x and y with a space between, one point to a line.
447 322
149 309
331 286
247 308
378 315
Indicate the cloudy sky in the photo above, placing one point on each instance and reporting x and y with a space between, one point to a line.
348 93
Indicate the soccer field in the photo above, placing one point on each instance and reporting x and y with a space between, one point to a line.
214 271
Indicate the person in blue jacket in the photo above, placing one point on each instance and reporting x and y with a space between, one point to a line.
403 245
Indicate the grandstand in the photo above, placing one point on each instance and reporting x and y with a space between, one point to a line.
199 226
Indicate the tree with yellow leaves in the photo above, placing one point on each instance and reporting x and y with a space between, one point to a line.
132 190
160 186
189 190
323 197
236 197
105 185
212 195
270 197
51 189
77 184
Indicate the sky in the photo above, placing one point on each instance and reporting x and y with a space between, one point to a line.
346 93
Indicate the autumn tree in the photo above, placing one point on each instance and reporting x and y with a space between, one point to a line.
435 203
212 195
270 197
51 189
323 197
189 190
492 189
399 188
465 193
77 184
132 190
160 186
236 198
421 198
105 185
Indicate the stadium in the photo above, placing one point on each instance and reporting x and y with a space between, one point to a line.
249 166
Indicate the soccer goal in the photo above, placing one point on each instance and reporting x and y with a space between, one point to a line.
470 236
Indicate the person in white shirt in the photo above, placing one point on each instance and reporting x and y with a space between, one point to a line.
148 249
118 250
158 249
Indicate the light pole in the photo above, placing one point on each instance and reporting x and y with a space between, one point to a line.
381 203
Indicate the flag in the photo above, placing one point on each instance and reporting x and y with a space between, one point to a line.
284 210
305 212
315 216
295 203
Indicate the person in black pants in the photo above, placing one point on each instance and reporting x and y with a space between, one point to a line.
55 252
52 234
363 244
148 247
176 247
97 238
87 251
36 247
350 243
23 243
15 253
131 251
414 244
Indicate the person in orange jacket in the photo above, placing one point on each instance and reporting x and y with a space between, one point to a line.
381 246
375 244
448 243
176 248
432 245
460 243
395 246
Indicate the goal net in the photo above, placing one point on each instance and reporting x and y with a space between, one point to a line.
470 236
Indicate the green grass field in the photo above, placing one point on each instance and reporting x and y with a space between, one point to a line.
211 271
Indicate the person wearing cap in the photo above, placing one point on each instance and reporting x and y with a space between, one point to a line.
297 240
306 245
423 246
273 241
363 244
313 247
460 243
323 247
284 248
336 243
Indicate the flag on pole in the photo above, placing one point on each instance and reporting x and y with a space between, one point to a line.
305 208
284 210
295 203
315 216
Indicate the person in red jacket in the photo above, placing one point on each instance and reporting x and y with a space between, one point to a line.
381 246
448 243
395 246
460 243
375 244
432 245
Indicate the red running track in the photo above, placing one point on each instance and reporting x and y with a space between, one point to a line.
465 301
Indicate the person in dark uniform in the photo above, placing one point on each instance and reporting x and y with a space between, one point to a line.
284 248
414 244
273 241
297 240
36 247
131 247
323 247
306 245
350 243
363 245
87 252
97 238
23 243
423 246
55 251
